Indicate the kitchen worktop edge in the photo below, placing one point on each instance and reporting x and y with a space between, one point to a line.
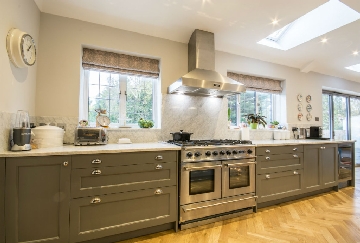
98 149
260 143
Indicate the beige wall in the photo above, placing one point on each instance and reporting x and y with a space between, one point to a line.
59 67
296 83
17 90
59 71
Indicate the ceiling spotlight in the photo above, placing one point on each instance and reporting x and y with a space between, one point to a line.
275 21
355 53
324 40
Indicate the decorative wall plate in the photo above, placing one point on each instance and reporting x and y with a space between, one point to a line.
308 98
308 108
300 116
299 107
308 117
299 97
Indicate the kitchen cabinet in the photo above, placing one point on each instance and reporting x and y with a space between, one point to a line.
37 199
2 200
320 166
118 193
279 172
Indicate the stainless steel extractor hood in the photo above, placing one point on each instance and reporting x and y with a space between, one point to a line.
202 79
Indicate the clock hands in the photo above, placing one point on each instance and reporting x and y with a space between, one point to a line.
29 48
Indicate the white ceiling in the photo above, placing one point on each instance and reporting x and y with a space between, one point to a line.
237 24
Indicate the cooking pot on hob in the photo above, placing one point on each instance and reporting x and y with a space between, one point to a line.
181 136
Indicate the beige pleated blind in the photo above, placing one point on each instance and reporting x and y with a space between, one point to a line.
120 63
260 84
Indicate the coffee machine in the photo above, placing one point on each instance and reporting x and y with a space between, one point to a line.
21 133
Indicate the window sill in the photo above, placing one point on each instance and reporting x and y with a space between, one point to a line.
132 129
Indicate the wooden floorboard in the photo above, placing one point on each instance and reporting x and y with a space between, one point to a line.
329 217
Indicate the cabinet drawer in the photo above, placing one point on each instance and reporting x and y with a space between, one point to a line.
279 149
92 218
95 160
274 186
106 180
278 163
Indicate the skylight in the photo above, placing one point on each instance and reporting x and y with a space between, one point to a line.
327 17
355 68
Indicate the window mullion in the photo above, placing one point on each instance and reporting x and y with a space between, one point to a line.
122 101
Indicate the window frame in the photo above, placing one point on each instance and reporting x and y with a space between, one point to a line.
238 106
84 99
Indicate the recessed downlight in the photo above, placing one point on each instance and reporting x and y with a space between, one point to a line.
324 40
275 21
355 53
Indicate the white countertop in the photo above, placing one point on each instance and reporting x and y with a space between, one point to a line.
143 147
297 142
97 149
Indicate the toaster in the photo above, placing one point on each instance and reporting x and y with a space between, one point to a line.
90 136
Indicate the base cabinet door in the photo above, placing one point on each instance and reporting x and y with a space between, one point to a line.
105 215
274 186
329 158
312 167
2 200
37 199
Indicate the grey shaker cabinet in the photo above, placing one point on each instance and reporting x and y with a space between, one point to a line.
37 199
2 200
320 166
279 172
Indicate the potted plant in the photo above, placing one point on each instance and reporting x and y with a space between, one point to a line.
145 123
273 124
254 119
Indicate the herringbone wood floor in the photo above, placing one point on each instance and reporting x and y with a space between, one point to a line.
330 217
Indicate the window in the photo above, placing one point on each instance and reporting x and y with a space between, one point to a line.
251 102
126 98
127 87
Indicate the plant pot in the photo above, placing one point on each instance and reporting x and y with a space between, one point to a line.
254 125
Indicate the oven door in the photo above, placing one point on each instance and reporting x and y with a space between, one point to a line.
238 177
200 181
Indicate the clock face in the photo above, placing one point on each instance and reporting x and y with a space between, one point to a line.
28 50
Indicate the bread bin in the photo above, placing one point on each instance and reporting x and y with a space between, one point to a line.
48 136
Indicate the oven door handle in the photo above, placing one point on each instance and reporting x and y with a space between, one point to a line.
217 204
239 164
201 168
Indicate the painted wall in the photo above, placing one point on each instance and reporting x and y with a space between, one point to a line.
295 82
18 86
59 66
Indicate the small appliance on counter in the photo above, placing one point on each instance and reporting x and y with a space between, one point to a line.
90 136
21 133
48 136
316 132
299 133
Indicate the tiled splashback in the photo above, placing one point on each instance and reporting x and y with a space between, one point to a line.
205 117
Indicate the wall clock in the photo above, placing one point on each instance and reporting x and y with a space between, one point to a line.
21 48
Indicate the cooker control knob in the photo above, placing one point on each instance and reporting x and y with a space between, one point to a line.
241 151
215 153
197 154
208 153
222 152
228 152
249 151
189 154
235 152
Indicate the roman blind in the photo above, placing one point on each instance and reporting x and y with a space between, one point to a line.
260 84
119 63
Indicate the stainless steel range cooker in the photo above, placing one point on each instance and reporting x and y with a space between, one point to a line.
216 180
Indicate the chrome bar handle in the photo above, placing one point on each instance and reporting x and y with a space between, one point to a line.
267 151
158 191
217 204
158 167
96 172
95 200
96 161
202 167
239 164
159 157
322 147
